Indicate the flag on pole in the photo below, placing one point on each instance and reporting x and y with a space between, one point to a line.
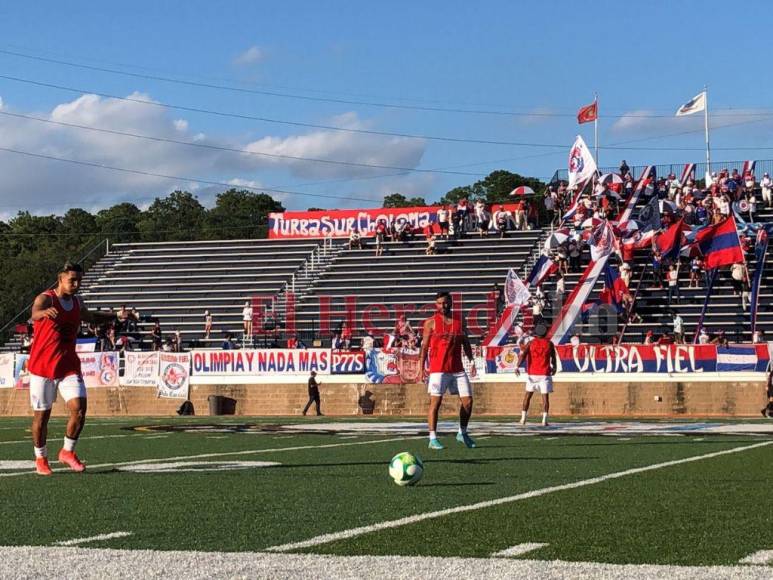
694 105
581 163
516 292
614 288
602 241
670 242
542 268
719 244
588 113
760 252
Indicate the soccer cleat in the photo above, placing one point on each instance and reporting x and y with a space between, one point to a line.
69 458
545 424
42 467
466 439
522 422
435 444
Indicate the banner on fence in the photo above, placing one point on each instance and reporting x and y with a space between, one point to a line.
341 223
174 374
99 369
140 369
6 370
21 375
348 362
634 358
395 366
276 361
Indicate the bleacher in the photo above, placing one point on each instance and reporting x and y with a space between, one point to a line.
405 278
175 282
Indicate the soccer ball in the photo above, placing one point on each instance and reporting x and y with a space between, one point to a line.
406 469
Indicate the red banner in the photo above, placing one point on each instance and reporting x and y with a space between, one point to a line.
339 223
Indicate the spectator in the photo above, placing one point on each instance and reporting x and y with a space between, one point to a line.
673 283
758 337
228 343
292 342
560 287
624 169
247 319
648 338
346 335
767 411
537 304
498 294
739 275
502 220
483 217
368 343
678 322
574 256
767 190
462 215
745 295
134 320
313 393
156 335
696 265
519 215
207 324
657 268
177 341
355 240
431 246
123 319
703 337
551 202
562 259
625 274
442 220
381 231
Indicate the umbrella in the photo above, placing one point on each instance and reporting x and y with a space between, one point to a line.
591 222
666 206
557 238
610 178
522 190
627 227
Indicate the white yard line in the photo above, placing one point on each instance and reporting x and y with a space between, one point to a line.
519 550
226 454
29 441
761 558
99 563
99 538
390 524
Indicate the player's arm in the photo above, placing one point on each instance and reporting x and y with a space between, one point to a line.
521 357
466 346
553 359
96 317
429 326
43 307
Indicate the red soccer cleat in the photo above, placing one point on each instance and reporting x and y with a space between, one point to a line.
69 458
42 467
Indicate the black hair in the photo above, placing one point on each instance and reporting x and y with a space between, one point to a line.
71 267
443 294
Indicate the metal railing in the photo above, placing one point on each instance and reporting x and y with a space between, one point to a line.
761 166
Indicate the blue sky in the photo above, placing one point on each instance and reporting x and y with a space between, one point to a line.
543 58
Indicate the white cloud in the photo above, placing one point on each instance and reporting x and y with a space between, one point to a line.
49 186
250 56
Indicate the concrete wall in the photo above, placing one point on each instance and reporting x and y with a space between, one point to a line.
613 399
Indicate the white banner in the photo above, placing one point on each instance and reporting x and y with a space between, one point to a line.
99 369
581 163
270 361
140 369
174 374
6 371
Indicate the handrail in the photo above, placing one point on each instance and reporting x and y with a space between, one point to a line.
101 244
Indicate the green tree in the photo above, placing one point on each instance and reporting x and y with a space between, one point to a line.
177 217
240 214
399 200
494 188
119 222
79 227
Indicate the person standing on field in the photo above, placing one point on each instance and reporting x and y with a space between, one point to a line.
54 365
313 394
540 357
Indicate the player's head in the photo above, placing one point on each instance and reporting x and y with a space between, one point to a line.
443 302
69 278
540 330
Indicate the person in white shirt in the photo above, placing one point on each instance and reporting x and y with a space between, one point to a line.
673 283
625 274
207 323
502 220
355 241
482 217
767 190
678 328
247 319
703 337
442 220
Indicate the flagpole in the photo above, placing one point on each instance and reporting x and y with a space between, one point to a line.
596 128
706 127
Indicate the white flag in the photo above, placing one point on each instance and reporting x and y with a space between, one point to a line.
516 293
581 163
694 105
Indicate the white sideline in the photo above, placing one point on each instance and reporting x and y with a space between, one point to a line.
100 563
760 558
29 440
519 550
354 532
98 538
224 454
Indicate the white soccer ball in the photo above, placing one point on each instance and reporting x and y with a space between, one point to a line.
406 469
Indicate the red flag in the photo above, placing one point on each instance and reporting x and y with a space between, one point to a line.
719 244
588 113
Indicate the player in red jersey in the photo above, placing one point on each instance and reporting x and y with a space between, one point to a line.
54 364
444 338
541 365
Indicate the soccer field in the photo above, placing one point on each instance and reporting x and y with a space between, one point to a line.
269 497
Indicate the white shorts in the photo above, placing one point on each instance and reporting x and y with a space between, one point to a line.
454 383
43 390
541 383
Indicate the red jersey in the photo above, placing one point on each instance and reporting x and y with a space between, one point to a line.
538 359
53 353
445 346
